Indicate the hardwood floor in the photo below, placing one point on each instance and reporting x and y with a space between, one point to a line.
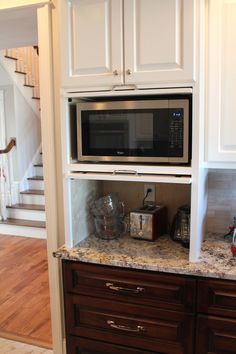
24 294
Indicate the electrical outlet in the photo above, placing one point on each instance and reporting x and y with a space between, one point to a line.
152 195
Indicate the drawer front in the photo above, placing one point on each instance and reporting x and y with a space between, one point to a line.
215 335
140 287
217 297
76 345
133 325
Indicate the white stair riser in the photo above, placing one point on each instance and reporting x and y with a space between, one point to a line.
33 184
26 231
40 158
24 214
38 171
32 199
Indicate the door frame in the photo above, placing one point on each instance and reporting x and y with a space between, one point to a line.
48 122
44 10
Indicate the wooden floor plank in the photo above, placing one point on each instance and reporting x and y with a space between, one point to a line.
24 294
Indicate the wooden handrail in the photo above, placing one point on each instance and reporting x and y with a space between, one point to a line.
9 146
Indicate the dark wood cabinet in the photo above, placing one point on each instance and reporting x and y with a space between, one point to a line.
161 290
78 345
115 310
123 311
217 297
215 335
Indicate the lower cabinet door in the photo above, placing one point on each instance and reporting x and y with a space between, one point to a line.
215 335
76 345
133 326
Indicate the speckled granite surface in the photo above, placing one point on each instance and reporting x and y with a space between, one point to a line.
164 255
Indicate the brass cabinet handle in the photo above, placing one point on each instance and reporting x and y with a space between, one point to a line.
112 324
128 72
115 72
122 289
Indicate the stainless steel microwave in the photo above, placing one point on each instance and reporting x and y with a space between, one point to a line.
156 130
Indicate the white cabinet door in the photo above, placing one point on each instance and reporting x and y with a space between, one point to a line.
91 43
159 41
222 81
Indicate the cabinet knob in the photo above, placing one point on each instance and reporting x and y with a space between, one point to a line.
115 72
128 72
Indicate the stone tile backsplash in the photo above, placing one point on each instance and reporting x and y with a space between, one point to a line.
221 199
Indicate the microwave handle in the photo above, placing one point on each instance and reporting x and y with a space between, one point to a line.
124 87
128 172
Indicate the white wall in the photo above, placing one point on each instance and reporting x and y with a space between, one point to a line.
18 28
28 133
22 123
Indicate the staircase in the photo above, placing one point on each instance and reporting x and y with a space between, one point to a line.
26 218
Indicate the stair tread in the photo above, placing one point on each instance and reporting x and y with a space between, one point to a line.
35 178
27 206
38 165
20 72
9 57
20 222
33 191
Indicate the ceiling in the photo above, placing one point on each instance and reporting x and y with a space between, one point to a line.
18 27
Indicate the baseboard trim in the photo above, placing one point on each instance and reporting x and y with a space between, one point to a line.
23 339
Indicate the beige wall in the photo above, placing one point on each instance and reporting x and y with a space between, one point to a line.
172 195
7 4
221 199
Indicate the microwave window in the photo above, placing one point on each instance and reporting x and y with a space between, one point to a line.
137 132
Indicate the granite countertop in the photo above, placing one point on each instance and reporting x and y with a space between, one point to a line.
163 255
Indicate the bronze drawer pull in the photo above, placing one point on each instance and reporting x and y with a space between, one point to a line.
129 290
125 328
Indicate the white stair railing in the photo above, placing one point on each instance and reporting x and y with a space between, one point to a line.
27 62
6 178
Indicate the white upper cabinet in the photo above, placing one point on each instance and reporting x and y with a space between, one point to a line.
222 81
107 43
91 43
159 41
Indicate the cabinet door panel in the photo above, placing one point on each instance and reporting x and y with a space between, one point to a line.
216 335
132 325
158 41
76 345
217 297
133 286
91 36
222 81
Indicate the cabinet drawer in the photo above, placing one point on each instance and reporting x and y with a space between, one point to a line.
217 297
133 325
215 335
76 345
141 287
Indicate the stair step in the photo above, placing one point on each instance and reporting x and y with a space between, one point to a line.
38 168
36 182
19 222
9 57
28 85
35 178
20 72
26 228
27 206
26 212
35 98
33 196
33 191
